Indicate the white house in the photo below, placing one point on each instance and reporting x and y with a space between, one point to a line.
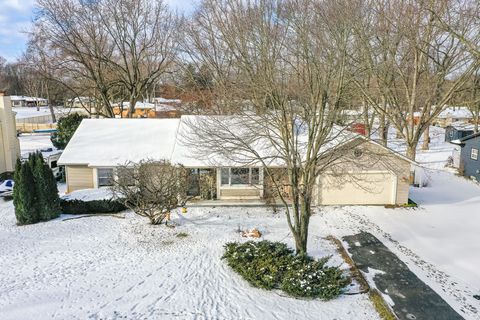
24 101
9 144
100 145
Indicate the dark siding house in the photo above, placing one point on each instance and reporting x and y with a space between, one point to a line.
456 133
470 156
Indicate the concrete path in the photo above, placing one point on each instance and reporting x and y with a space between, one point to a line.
413 299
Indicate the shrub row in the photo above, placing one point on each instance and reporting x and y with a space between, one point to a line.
272 265
76 206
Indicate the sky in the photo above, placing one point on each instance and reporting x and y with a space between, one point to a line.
16 18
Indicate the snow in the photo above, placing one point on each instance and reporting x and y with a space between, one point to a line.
456 113
29 112
103 267
32 142
110 142
164 100
108 268
90 194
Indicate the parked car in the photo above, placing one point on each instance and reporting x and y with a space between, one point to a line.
6 188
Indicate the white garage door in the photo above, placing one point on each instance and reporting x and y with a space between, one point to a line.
367 188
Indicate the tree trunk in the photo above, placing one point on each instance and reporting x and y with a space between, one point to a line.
383 130
426 139
411 152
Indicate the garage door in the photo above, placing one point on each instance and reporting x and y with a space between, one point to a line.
373 188
79 177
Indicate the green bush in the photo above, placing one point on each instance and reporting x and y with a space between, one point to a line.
93 206
66 127
314 280
272 265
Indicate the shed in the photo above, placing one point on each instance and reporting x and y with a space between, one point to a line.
457 131
469 156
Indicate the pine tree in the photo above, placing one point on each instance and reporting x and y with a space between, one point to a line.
47 200
51 199
24 195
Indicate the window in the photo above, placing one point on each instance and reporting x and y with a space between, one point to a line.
474 154
239 176
225 176
126 176
255 176
53 164
105 176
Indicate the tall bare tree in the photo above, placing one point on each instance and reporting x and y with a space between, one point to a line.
279 80
116 48
415 66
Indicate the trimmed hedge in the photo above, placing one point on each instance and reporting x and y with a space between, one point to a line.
92 206
272 265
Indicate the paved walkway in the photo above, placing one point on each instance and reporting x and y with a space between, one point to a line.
412 298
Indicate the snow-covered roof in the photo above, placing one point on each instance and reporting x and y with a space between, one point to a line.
21 98
455 112
138 105
459 125
164 100
110 142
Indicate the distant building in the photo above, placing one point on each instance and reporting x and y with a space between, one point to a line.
149 110
24 101
9 144
453 114
469 157
457 131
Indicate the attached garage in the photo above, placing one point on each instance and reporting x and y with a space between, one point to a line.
367 188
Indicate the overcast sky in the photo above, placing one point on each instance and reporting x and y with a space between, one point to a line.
16 17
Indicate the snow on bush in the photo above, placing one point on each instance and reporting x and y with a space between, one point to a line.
272 265
91 201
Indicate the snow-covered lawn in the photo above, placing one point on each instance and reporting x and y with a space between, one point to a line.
105 268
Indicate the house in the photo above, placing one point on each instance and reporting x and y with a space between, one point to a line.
451 115
9 144
376 175
458 130
469 156
24 101
148 110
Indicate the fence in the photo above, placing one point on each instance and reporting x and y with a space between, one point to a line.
30 127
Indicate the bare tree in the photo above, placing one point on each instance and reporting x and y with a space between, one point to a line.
115 48
414 65
278 68
151 188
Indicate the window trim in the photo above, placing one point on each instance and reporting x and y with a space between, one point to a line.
98 177
250 169
474 153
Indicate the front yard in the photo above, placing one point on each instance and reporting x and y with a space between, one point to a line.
105 267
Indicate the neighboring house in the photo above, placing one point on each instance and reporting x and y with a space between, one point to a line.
457 131
83 103
9 144
148 110
24 101
376 175
453 114
469 156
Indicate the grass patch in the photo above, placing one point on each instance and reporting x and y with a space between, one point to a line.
381 306
182 235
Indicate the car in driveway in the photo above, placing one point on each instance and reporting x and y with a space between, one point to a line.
6 188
